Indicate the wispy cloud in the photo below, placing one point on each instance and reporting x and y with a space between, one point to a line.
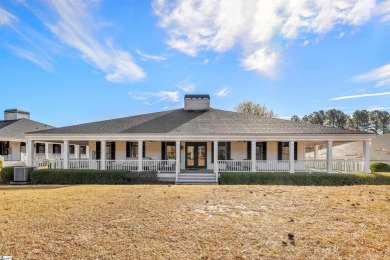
186 86
257 26
381 75
361 96
222 93
75 26
6 18
378 107
31 56
383 10
146 56
152 98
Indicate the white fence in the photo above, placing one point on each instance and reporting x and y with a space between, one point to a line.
345 166
273 166
84 164
159 165
310 166
128 165
49 164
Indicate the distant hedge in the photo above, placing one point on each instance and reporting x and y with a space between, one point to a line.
304 179
380 167
70 176
7 174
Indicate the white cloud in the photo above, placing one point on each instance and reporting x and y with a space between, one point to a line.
31 56
361 96
383 10
194 26
222 93
6 18
381 75
146 56
186 86
377 107
76 26
151 98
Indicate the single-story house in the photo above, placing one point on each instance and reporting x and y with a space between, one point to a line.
195 143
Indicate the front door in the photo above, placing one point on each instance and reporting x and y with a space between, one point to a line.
196 155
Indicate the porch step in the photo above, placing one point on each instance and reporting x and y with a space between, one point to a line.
196 178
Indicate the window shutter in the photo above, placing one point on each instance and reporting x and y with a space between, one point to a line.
127 149
280 150
248 150
163 150
228 146
264 151
36 148
143 149
295 151
112 150
98 150
212 152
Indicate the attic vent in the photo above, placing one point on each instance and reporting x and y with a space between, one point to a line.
196 102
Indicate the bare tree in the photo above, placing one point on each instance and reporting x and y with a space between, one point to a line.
249 107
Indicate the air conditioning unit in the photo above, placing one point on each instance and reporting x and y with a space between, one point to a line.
23 174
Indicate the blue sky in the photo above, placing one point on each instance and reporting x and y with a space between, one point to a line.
70 62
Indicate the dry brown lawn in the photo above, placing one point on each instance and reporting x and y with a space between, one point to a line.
194 222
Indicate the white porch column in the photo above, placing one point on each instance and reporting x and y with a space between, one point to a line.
177 160
30 152
140 153
291 156
66 154
47 150
253 155
103 148
216 167
329 157
315 152
76 151
366 156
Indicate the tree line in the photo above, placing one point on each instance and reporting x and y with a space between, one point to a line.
376 121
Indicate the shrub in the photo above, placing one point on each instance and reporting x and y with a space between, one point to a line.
1 164
70 176
7 174
303 179
380 167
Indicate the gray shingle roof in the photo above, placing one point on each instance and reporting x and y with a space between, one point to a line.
212 121
15 129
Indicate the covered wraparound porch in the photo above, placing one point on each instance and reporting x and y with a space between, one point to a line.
208 155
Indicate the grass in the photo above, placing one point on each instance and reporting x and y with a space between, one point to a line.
194 222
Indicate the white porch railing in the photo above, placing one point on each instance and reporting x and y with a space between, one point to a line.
272 166
347 166
159 165
128 165
7 157
310 166
234 165
52 156
84 164
48 164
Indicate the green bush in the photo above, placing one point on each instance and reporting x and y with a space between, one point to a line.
7 174
380 167
1 164
70 176
303 179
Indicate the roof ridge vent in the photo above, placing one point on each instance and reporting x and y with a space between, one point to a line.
197 102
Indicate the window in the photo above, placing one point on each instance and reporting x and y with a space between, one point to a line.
261 150
83 149
57 148
284 150
132 149
39 148
71 149
168 150
223 151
